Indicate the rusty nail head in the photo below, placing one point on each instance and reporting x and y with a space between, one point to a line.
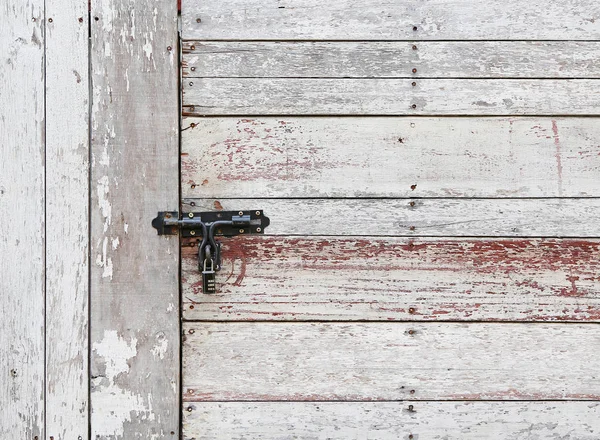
198 20
414 106
411 310
414 84
192 68
414 70
414 28
169 48
411 332
193 47
257 212
191 83
192 307
412 228
412 203
80 19
412 391
414 47
191 331
193 124
193 185
50 20
258 229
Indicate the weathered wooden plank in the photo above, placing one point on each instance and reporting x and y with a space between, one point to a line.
370 278
379 59
392 420
391 157
134 281
22 216
67 205
304 96
420 217
391 20
389 361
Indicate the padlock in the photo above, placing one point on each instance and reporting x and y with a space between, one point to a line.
208 276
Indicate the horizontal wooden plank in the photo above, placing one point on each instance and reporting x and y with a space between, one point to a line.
420 217
389 361
379 59
392 420
390 157
370 278
391 20
346 96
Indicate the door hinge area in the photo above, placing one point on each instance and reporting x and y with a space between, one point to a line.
206 226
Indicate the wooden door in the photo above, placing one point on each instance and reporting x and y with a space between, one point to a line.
431 172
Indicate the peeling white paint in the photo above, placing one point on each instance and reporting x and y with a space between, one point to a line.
115 243
103 201
160 348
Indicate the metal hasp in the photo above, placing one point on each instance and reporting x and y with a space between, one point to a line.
207 225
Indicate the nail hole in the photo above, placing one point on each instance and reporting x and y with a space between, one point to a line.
96 18
412 391
412 228
414 28
401 140
80 21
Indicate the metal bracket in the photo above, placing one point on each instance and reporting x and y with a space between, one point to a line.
208 225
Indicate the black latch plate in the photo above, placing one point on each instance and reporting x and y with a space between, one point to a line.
168 223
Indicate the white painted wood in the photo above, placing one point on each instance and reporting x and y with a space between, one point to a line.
303 96
22 217
134 278
391 20
420 217
390 157
375 278
389 361
67 205
392 420
378 59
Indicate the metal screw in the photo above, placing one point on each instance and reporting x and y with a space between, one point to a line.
258 229
191 83
257 212
192 68
192 232
241 231
241 213
50 20
80 21
191 215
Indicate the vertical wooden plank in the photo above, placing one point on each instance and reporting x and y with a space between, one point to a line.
134 274
22 219
67 206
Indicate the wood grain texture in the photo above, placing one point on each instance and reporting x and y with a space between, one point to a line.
420 217
390 157
303 96
391 20
67 205
389 361
134 279
392 420
22 216
378 59
370 278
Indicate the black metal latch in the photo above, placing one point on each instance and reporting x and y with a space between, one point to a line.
208 225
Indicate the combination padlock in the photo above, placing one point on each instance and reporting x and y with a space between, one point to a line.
208 276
